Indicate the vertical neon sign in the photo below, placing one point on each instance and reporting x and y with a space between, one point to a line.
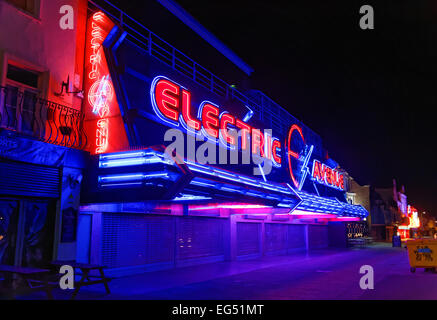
101 90
103 123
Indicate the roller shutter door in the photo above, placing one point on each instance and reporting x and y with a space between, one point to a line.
318 237
136 239
276 238
23 179
199 237
296 238
248 239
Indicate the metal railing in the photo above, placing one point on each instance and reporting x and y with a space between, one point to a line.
266 110
26 113
160 49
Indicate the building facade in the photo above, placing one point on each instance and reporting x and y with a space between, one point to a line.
40 133
160 163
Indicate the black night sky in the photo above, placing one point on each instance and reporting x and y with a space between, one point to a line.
370 94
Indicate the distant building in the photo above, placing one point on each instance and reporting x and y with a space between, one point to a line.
388 207
388 211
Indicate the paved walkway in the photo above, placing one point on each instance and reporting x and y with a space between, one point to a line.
327 274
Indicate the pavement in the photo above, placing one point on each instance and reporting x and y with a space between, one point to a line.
319 275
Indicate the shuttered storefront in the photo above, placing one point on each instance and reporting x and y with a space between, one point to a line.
276 236
248 239
135 239
138 240
200 238
284 238
296 238
318 236
147 242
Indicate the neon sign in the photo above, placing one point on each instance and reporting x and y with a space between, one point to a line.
101 91
413 217
325 175
172 104
103 122
299 154
293 155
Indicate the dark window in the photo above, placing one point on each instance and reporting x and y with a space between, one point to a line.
20 99
24 76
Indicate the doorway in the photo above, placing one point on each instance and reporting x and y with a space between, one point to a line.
27 232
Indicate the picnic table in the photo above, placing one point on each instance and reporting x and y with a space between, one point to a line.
86 278
36 279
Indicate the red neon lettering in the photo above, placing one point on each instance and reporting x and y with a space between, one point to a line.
210 120
275 146
174 103
166 94
341 182
318 171
186 111
268 146
328 175
101 91
226 119
245 130
99 16
292 153
102 135
257 142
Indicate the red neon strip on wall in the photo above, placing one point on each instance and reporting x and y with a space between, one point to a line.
186 111
257 142
166 94
275 146
225 120
292 153
245 131
210 120
103 123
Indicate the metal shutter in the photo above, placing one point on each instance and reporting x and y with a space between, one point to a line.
23 179
318 237
136 239
160 239
296 237
199 237
248 238
275 238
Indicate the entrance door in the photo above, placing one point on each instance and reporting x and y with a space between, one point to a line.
8 231
38 234
26 232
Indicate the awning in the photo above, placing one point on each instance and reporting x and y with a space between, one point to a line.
151 174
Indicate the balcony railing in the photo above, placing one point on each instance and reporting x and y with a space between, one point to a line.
24 112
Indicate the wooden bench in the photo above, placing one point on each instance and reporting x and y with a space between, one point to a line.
35 279
86 278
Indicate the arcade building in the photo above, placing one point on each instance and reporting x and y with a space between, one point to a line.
126 152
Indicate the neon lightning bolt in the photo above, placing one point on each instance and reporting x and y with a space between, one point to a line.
305 170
